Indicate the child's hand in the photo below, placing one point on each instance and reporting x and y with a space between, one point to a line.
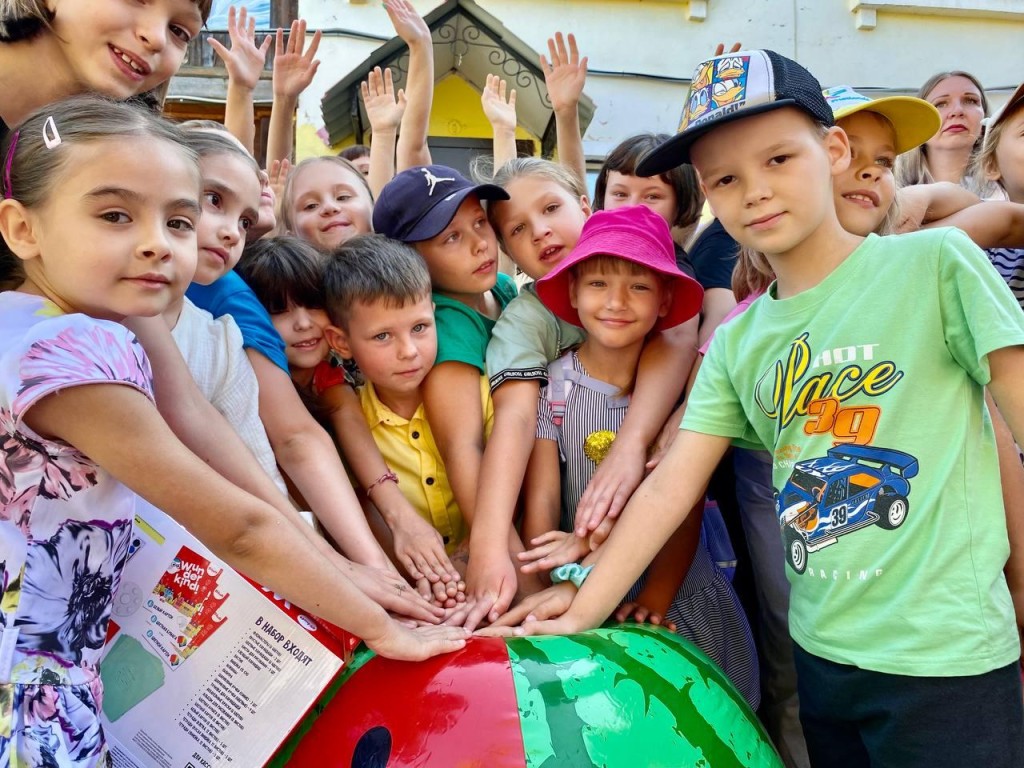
405 644
617 476
566 75
244 61
389 590
553 549
383 108
409 25
277 176
500 112
642 614
720 48
294 64
491 582
549 603
419 549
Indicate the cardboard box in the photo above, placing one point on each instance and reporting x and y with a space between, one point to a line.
204 668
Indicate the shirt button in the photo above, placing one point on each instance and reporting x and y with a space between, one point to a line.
415 435
430 481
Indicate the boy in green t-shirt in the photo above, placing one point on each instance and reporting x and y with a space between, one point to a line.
862 370
439 212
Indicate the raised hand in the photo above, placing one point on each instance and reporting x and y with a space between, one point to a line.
499 109
244 60
384 108
408 23
294 63
566 73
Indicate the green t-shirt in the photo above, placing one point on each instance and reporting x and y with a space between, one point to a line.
526 338
462 332
868 391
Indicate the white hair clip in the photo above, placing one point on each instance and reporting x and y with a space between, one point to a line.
51 139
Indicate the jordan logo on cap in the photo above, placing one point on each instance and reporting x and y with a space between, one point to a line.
433 180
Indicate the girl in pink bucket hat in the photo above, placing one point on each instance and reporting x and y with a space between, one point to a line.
621 284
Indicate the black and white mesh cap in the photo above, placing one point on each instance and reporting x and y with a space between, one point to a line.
733 86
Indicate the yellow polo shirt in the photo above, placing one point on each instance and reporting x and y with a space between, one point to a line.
408 447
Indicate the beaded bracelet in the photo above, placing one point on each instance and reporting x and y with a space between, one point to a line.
573 572
388 476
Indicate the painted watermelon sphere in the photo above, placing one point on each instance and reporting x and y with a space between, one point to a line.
624 695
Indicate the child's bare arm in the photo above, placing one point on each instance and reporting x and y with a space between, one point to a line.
244 62
384 110
995 224
119 429
565 76
1012 476
504 464
294 68
664 368
921 204
500 111
451 394
307 455
1007 371
418 546
542 494
656 510
667 572
419 84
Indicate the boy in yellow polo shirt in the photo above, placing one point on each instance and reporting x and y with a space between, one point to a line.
378 298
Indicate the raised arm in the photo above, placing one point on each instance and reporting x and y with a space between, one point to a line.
244 62
565 76
501 114
294 68
419 83
384 109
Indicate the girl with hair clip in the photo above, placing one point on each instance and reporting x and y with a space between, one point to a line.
97 242
120 50
946 155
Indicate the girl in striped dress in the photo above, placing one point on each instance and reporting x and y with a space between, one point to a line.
621 283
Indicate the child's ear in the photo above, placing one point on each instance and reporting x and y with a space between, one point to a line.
16 227
585 205
666 300
837 144
572 291
337 340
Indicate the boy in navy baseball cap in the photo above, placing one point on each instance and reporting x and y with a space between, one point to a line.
440 213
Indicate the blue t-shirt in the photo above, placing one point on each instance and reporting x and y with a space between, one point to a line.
231 296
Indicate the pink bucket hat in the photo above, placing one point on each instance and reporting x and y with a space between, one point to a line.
634 234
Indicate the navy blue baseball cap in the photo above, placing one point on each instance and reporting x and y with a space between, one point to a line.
731 87
420 202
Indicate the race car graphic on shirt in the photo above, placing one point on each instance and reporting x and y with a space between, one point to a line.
852 487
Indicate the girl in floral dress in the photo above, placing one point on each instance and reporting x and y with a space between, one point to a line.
92 241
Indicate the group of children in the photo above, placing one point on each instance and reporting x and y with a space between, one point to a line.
500 434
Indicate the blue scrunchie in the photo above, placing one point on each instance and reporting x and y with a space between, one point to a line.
573 572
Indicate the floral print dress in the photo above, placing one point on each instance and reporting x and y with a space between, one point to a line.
65 526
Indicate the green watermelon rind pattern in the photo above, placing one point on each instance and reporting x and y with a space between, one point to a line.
629 695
